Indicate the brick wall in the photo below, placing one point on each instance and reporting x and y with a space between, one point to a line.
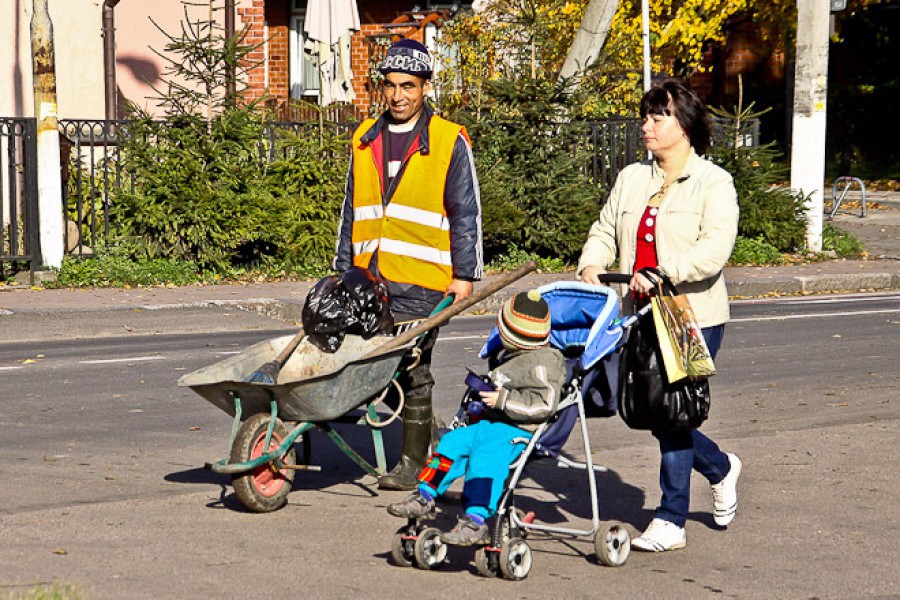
742 54
275 80
254 17
272 52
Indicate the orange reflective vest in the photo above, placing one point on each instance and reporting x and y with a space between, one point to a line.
411 232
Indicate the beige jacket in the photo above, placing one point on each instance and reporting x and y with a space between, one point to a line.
695 230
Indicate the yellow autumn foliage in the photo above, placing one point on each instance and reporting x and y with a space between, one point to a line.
532 38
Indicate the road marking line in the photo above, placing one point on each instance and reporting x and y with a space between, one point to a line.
833 314
10 368
840 300
120 360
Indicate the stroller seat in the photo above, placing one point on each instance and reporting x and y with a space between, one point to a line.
584 327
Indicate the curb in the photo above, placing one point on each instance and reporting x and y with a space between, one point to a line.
813 284
289 310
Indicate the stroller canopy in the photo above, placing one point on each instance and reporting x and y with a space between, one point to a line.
582 316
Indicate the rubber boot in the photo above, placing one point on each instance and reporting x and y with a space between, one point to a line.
417 432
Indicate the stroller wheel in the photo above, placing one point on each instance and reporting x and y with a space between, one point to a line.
515 559
613 544
403 548
429 550
487 562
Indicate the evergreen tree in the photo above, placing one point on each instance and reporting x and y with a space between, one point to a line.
532 167
768 211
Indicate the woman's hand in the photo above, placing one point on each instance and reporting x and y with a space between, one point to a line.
490 398
590 275
641 284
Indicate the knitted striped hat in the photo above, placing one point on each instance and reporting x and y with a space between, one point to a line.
524 321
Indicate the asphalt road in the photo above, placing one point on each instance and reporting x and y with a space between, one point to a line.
103 487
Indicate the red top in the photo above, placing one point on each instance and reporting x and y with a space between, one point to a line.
645 247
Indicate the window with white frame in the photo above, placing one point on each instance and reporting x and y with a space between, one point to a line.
303 72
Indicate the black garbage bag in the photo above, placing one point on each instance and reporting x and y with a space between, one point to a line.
370 301
356 302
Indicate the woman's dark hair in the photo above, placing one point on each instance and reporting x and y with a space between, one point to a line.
674 97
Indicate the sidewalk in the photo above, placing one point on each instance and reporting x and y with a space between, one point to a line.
284 300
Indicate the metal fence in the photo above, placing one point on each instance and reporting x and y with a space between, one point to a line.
93 170
19 237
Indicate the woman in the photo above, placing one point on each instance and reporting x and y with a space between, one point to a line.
677 212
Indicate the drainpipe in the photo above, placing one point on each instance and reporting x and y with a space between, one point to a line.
109 58
230 86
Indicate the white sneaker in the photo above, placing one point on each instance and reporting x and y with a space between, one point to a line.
725 500
661 536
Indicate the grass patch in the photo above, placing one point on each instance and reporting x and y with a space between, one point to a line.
118 271
54 591
515 257
842 243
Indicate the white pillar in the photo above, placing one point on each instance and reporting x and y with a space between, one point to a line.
808 128
49 184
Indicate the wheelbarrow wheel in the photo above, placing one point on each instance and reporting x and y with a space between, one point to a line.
265 488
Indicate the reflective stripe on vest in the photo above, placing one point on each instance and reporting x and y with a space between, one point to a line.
411 234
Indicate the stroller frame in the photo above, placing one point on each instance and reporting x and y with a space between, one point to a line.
508 553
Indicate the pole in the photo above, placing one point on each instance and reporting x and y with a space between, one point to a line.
808 124
645 39
45 109
230 76
109 59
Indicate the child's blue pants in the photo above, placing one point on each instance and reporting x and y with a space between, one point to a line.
481 453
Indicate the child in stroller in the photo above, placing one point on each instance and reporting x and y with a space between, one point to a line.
584 325
523 392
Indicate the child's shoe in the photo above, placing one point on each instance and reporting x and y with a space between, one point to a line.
414 506
466 533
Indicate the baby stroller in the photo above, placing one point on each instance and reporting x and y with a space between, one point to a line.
586 328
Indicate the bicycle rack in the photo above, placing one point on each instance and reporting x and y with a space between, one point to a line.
848 183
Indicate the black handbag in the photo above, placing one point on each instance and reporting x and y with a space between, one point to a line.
646 399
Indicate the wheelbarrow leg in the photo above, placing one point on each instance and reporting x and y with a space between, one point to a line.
377 441
346 449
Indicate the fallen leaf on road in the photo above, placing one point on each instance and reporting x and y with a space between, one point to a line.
837 335
127 328
28 361
39 356
110 478
193 428
838 404
60 551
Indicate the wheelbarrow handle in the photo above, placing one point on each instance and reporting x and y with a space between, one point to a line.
453 310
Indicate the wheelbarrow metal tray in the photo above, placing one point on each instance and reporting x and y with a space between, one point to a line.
312 386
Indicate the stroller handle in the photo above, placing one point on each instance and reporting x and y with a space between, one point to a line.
614 277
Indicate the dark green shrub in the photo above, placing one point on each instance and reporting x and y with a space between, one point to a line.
307 185
534 189
770 213
754 251
197 194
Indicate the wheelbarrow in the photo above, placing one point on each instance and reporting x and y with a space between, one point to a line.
314 390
